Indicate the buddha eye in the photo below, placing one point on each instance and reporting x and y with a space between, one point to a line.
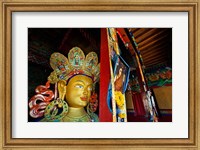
78 86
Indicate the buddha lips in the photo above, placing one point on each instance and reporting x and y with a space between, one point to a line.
84 98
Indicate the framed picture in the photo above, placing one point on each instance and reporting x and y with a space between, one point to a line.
121 72
18 16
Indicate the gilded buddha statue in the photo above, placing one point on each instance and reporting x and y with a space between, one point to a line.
74 79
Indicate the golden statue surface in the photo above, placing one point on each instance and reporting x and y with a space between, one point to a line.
74 79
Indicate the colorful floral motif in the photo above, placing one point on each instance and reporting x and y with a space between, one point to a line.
155 78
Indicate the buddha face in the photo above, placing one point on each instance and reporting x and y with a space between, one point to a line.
78 91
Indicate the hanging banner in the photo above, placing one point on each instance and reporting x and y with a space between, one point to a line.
121 76
119 79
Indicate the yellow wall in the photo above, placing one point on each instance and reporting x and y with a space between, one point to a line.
164 97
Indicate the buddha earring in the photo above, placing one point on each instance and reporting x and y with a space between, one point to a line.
58 108
52 111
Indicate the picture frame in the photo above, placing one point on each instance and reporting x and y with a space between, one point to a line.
8 7
121 64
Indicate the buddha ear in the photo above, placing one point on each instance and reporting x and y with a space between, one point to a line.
62 89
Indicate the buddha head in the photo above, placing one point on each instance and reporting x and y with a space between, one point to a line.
77 91
75 81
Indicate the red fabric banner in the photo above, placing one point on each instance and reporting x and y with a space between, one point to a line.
138 104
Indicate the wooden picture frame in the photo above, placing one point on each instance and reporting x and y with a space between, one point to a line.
10 6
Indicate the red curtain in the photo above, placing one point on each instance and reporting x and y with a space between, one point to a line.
138 104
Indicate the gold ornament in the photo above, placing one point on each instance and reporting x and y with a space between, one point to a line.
51 112
76 64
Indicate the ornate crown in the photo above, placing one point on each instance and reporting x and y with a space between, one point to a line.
76 64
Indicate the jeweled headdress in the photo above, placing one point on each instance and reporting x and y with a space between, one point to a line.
76 64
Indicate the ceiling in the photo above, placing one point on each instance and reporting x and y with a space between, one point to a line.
42 42
155 44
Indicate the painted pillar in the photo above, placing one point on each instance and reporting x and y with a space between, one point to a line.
104 113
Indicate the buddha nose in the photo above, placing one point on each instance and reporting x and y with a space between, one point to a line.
85 92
